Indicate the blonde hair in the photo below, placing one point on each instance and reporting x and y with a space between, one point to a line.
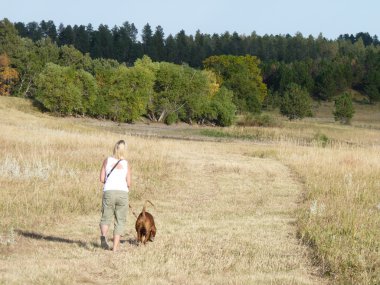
120 149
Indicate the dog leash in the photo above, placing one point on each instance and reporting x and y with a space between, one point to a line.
132 211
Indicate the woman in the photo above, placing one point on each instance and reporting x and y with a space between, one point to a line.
116 176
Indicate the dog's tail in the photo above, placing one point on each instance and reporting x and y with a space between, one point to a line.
144 208
130 207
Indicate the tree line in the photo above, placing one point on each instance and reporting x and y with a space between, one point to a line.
121 43
201 78
323 67
65 81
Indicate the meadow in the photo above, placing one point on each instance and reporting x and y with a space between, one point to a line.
298 203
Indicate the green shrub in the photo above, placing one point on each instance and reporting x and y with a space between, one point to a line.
65 90
127 95
172 118
344 110
59 91
272 101
321 139
222 110
296 103
262 120
215 133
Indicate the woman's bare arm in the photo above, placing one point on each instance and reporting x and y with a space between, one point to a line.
129 176
102 177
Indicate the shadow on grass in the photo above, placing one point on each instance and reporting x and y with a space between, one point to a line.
83 244
131 241
39 236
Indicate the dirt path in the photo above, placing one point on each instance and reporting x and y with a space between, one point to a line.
225 218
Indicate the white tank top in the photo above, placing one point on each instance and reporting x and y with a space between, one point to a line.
117 180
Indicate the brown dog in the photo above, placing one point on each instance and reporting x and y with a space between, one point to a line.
145 227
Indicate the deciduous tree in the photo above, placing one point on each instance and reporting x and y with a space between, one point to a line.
8 75
58 91
242 75
128 93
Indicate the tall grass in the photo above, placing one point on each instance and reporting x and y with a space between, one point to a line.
339 216
49 169
340 213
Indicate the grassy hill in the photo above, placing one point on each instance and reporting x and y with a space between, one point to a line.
232 203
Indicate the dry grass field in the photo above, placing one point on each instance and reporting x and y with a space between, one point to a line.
258 206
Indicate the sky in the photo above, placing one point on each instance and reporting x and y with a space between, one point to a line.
310 17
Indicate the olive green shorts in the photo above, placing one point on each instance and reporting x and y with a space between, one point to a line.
115 205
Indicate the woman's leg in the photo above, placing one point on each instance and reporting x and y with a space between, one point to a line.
108 206
104 229
121 210
116 241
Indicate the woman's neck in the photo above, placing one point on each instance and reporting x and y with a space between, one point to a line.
121 158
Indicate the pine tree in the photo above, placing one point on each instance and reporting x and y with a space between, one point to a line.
158 44
82 39
105 41
146 37
34 31
171 49
296 103
183 48
344 110
66 35
48 29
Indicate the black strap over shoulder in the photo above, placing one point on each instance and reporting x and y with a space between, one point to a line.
113 168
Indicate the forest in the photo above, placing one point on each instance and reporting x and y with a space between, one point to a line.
110 73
